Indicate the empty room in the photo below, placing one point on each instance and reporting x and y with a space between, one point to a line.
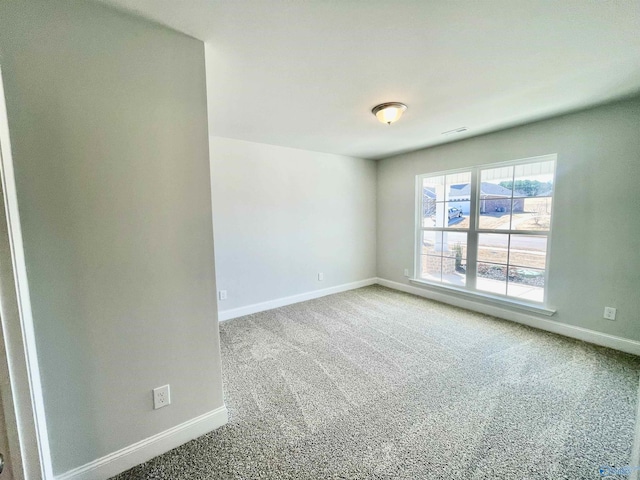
318 239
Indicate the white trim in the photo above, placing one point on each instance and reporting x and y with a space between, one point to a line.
584 334
500 301
19 334
281 302
140 452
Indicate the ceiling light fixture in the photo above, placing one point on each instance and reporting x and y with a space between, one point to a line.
389 112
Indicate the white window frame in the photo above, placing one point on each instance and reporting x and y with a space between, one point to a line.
469 290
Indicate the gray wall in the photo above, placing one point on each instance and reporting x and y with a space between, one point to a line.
108 124
596 226
282 215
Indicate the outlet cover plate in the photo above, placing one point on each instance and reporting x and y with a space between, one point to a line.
161 397
609 313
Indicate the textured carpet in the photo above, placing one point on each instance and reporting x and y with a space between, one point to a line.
379 384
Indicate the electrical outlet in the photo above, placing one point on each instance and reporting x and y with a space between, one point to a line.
222 295
406 272
161 397
320 277
609 313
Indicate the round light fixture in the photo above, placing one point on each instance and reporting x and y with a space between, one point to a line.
389 112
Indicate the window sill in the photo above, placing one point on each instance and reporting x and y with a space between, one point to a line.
495 300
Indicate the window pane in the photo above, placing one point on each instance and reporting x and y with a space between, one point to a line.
458 186
454 262
492 278
455 244
532 213
494 198
428 211
493 247
528 251
435 215
526 284
496 182
453 277
534 179
493 215
433 187
431 267
431 243
457 214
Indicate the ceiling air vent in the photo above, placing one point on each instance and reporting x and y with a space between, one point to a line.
455 130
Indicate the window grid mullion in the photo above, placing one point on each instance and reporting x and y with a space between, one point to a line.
472 236
506 285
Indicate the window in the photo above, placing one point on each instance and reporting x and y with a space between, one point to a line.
486 229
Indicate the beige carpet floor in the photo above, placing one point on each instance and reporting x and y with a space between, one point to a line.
378 384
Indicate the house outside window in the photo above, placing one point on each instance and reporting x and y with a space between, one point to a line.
486 229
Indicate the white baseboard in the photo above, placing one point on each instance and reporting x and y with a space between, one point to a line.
140 452
584 334
302 297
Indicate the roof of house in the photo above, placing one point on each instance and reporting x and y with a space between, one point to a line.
429 192
486 188
463 190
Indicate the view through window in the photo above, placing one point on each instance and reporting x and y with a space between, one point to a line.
486 228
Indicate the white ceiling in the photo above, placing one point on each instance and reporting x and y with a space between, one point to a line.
306 73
